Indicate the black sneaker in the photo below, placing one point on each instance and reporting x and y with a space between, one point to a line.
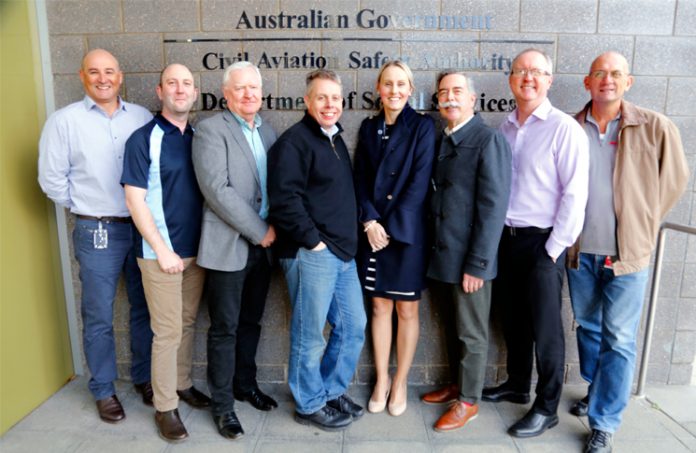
327 418
580 408
599 442
346 405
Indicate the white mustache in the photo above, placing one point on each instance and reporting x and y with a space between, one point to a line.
446 104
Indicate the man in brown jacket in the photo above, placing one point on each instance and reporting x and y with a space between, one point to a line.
638 171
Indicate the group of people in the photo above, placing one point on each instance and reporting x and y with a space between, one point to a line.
487 216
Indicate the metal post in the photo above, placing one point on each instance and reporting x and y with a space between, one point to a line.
652 307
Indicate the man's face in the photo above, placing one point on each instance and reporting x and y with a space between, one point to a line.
529 88
243 93
608 79
176 90
325 102
101 76
455 102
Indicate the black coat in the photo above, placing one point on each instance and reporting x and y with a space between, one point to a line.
472 189
393 189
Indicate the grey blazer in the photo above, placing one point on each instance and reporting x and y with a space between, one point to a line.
229 180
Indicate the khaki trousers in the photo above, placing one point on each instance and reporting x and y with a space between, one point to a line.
173 301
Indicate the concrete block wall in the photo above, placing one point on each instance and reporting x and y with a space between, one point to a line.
657 37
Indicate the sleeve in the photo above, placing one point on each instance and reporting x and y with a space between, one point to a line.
492 195
674 169
136 161
209 153
411 201
54 161
364 178
288 174
572 165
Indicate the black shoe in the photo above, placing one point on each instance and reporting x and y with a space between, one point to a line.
599 442
533 424
257 398
580 408
327 418
145 389
344 404
504 392
228 425
194 397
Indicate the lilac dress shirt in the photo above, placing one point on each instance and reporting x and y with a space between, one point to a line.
550 170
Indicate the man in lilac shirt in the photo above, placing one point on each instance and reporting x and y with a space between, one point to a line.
545 215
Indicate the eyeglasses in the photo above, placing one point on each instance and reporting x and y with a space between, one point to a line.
534 72
602 74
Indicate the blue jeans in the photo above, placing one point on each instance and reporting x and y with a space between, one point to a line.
100 270
323 288
607 309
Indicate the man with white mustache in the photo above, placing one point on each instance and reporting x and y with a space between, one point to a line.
472 188
312 203
550 159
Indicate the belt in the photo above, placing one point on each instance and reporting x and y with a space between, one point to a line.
106 219
525 231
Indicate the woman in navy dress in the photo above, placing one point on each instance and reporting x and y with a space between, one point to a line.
393 163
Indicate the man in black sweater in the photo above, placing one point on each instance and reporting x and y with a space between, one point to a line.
312 204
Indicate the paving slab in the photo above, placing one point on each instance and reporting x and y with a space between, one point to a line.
664 421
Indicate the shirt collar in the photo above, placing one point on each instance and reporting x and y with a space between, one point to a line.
242 122
331 132
90 104
542 112
589 118
168 127
449 131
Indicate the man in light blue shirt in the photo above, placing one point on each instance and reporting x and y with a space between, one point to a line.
229 157
80 164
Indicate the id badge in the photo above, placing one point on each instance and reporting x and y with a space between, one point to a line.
101 237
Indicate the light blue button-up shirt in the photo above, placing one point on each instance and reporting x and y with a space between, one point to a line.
81 156
254 139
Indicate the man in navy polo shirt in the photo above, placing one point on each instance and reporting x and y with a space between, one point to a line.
166 205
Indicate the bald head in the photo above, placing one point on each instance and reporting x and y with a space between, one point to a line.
99 55
614 58
101 77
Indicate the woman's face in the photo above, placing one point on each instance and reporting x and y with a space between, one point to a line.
394 89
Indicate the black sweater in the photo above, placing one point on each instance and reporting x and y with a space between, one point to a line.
310 190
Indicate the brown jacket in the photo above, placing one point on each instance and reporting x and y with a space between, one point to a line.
650 174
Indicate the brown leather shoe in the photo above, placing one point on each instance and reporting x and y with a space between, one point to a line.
447 394
110 409
145 389
457 416
170 426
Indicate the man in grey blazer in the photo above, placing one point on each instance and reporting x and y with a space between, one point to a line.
229 157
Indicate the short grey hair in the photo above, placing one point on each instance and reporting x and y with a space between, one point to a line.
469 81
321 74
239 65
540 52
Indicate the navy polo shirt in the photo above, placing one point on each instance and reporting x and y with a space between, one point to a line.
158 158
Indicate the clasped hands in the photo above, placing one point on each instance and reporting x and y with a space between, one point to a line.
376 235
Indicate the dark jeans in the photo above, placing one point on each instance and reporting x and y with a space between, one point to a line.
236 301
100 270
528 289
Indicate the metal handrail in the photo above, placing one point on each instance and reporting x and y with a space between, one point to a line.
652 305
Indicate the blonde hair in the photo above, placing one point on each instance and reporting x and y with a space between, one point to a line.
401 65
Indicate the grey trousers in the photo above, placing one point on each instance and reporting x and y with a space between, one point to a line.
466 317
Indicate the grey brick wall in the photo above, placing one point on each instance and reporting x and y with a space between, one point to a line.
657 37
